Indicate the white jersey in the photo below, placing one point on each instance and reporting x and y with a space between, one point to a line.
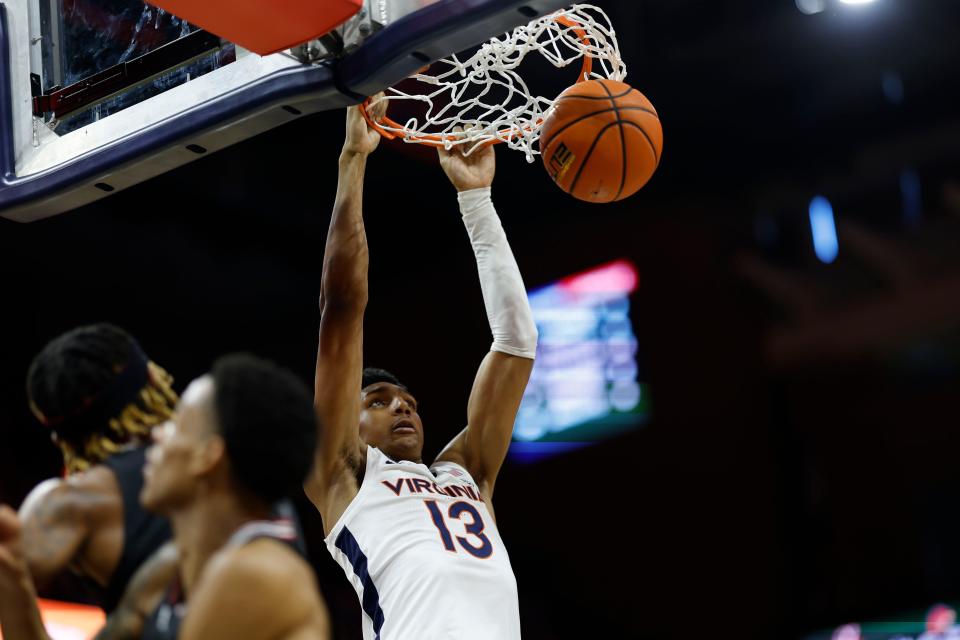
421 548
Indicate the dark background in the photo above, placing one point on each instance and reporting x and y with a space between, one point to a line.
798 470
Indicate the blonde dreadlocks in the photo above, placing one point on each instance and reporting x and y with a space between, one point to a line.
97 391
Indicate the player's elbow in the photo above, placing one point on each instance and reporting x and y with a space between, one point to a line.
528 338
344 298
520 342
344 281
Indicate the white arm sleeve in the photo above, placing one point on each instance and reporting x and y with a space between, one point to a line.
508 310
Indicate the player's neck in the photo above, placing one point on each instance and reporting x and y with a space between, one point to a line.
399 457
203 527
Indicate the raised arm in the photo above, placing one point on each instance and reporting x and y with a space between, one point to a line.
504 372
343 299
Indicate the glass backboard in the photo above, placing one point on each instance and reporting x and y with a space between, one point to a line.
99 95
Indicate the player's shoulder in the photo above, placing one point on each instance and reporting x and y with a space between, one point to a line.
262 565
97 480
83 491
268 589
46 490
263 579
284 577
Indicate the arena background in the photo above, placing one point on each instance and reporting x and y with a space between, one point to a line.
797 469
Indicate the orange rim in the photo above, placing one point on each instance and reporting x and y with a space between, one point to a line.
439 139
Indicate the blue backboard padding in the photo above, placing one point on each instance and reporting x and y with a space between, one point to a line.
384 59
6 106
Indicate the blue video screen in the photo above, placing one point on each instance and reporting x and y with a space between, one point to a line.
585 386
937 623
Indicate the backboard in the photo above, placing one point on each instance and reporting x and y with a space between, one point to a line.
99 95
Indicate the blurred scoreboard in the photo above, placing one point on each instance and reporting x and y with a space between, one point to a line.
938 623
585 384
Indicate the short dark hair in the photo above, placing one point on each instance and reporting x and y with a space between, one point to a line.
372 375
267 420
97 390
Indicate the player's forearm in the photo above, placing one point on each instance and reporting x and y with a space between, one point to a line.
346 257
143 595
124 625
19 614
504 295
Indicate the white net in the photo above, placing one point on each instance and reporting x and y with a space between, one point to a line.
484 99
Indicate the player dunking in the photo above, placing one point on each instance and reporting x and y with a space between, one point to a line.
419 544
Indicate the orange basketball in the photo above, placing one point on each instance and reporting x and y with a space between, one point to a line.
602 142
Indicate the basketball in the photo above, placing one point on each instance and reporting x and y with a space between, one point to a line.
602 142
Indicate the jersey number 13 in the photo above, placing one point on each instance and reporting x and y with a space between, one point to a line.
481 547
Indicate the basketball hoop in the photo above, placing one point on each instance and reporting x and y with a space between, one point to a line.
459 107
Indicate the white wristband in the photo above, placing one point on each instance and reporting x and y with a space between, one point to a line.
505 298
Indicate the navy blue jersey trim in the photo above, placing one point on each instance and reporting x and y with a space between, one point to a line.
371 598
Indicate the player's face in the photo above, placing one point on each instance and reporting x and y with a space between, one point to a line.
180 450
389 421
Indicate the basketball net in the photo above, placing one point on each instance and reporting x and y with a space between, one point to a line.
484 100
